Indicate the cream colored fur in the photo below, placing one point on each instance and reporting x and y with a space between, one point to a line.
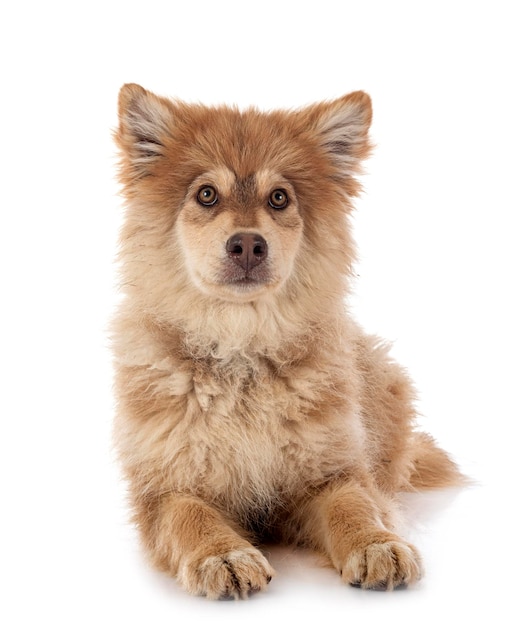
251 406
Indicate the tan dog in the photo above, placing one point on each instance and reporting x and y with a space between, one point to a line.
251 406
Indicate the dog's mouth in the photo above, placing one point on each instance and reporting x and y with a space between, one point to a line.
246 280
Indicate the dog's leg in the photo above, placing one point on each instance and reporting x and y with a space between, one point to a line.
347 522
193 541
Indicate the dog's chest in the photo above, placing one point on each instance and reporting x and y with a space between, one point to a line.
249 432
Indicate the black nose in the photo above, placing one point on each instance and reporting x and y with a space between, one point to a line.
247 249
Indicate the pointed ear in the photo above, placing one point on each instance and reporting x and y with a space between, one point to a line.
341 127
144 124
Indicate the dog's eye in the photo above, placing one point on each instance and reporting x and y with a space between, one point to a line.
207 196
278 199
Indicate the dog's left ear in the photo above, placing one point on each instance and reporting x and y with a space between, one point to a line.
341 127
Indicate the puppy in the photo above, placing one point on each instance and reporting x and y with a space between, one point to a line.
251 406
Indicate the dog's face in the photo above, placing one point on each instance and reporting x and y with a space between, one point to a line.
248 198
240 234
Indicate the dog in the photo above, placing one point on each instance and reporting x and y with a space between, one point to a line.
252 408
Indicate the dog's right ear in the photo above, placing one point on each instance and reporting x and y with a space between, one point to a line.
145 123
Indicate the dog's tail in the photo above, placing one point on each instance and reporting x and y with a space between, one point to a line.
432 467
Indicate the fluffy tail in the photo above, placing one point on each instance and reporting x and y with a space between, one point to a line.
432 467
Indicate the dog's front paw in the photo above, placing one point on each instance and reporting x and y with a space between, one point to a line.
230 575
382 565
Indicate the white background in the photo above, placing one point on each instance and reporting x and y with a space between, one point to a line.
436 233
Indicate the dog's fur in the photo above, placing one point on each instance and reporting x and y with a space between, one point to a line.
251 406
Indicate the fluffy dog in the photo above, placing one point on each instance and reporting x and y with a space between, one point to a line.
251 407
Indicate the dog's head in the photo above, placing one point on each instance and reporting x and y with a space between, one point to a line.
244 202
